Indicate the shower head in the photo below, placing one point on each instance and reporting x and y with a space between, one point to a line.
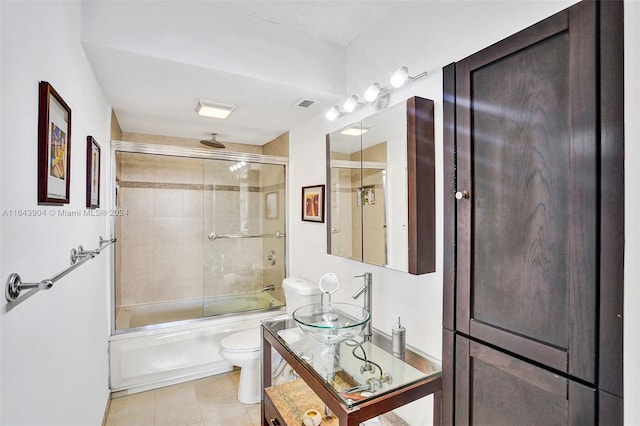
212 143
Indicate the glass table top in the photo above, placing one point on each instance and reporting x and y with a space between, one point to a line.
355 371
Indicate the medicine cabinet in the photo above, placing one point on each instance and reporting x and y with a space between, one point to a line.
381 181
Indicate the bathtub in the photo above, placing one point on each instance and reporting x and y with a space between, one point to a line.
169 354
143 315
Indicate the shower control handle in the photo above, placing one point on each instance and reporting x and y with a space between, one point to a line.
271 257
213 235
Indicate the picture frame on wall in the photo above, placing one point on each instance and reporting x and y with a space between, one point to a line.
54 147
271 205
93 173
313 203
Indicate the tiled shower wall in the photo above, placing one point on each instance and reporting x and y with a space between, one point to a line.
161 236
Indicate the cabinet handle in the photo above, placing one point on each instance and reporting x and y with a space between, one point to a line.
274 422
460 195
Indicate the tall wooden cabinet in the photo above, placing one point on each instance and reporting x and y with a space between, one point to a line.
534 225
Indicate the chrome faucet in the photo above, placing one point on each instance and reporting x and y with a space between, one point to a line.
366 288
269 287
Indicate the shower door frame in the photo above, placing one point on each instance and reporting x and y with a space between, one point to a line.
187 152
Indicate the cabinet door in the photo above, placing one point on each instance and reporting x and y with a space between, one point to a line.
527 228
497 389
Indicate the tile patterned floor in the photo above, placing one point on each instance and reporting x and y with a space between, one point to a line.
210 401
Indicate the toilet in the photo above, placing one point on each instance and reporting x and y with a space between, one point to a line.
243 348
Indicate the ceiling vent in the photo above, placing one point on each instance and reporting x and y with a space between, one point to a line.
304 103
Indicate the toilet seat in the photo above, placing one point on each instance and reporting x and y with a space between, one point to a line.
242 341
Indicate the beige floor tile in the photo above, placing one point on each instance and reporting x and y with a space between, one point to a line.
236 416
224 398
211 409
253 411
137 419
140 403
177 393
215 386
180 413
211 401
235 377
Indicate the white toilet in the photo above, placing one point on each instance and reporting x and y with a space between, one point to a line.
243 348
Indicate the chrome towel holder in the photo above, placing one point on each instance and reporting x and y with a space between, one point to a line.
78 256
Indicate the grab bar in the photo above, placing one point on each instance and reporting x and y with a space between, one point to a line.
277 235
78 257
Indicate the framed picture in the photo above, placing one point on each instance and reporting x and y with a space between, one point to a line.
313 203
271 205
93 173
54 147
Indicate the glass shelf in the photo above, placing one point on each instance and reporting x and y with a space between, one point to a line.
348 377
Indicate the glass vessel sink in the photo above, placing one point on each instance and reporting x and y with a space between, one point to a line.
333 324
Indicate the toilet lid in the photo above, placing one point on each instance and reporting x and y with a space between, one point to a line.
247 340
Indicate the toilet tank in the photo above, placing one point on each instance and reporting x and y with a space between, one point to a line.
299 292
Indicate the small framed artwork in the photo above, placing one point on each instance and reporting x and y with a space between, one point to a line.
271 205
93 173
54 147
313 203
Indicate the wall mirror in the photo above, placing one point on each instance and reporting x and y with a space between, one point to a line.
381 189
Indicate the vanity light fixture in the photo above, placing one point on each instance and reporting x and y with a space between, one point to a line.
333 113
214 109
375 94
351 103
399 77
372 92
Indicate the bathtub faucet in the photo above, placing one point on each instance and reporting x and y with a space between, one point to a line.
269 287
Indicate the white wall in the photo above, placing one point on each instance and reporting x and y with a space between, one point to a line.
1 202
54 344
428 36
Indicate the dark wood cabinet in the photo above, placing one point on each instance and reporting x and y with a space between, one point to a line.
499 389
533 217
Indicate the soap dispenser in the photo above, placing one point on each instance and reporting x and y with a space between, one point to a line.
398 339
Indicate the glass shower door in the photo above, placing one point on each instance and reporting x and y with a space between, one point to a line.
244 245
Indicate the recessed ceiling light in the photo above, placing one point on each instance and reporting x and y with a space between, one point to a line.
354 131
213 109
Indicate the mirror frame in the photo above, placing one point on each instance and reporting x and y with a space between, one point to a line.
421 186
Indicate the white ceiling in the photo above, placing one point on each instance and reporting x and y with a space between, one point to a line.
154 60
336 21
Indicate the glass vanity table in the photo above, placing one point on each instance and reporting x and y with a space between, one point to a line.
358 392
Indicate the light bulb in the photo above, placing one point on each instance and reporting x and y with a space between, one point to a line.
333 113
350 103
399 77
372 92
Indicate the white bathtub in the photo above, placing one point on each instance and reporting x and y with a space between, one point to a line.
143 315
144 360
